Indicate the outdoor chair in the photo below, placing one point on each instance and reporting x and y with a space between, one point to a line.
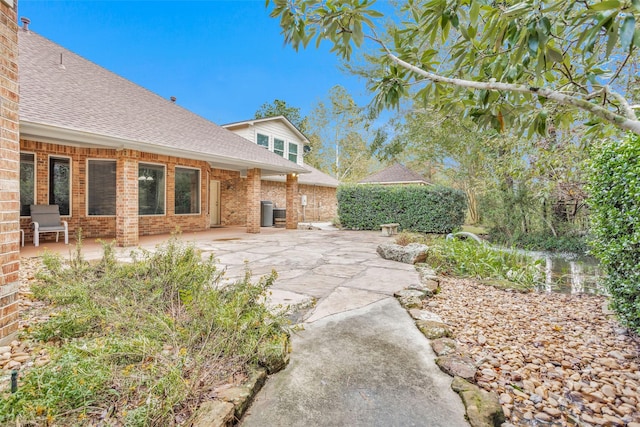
46 219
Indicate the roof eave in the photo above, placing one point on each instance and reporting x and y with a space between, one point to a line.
65 136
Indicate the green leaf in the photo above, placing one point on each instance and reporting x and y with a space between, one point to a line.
627 31
554 55
606 5
533 43
612 39
636 4
475 10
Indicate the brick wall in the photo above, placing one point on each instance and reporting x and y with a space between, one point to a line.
322 204
293 201
9 172
253 200
127 165
233 197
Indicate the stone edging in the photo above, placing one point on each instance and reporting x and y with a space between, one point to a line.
483 408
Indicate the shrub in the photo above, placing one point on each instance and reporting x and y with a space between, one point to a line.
415 208
614 200
142 341
467 258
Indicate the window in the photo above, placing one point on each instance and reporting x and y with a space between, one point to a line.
150 189
60 183
187 195
293 152
278 147
101 187
263 141
27 182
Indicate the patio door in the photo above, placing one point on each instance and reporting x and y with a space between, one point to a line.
214 202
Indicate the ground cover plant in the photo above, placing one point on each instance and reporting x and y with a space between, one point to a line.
142 343
468 258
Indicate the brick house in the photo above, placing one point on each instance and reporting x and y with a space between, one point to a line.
122 161
9 171
316 189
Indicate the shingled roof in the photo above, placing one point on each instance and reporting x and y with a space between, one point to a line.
314 177
395 174
65 98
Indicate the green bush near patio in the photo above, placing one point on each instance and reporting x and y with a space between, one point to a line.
142 343
416 208
614 201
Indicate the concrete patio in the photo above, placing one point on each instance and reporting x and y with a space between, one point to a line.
357 358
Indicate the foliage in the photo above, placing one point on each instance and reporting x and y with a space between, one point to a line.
415 208
342 127
467 258
614 187
502 62
140 344
280 108
545 242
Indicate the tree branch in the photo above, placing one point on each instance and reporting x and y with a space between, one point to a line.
623 122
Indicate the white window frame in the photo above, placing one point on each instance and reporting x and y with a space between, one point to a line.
284 146
164 166
55 156
87 187
199 190
35 178
268 147
289 144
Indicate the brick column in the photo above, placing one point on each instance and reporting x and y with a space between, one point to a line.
9 172
127 200
253 200
292 201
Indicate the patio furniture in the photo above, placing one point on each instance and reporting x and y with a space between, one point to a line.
46 219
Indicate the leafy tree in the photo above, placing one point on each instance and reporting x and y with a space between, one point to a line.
501 62
280 108
342 127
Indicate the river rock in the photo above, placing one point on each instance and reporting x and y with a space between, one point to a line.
483 408
409 254
457 366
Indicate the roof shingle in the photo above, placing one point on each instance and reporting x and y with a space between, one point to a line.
62 90
395 174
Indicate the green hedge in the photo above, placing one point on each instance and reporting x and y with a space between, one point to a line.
614 201
415 208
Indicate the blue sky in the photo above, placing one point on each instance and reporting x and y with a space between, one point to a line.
220 59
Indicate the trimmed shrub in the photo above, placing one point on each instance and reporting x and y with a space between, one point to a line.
415 208
614 187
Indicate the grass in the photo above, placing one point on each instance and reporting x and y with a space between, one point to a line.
475 229
142 344
467 258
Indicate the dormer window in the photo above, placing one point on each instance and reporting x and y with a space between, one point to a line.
263 141
278 146
293 152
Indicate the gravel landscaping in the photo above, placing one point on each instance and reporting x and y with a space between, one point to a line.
553 359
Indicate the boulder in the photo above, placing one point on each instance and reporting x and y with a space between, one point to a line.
241 396
409 254
410 298
443 346
432 329
457 366
483 408
214 413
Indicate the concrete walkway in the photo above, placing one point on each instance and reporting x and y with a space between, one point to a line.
359 360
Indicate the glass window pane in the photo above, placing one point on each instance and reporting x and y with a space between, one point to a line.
101 197
293 152
263 140
27 182
187 197
150 189
278 147
60 184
